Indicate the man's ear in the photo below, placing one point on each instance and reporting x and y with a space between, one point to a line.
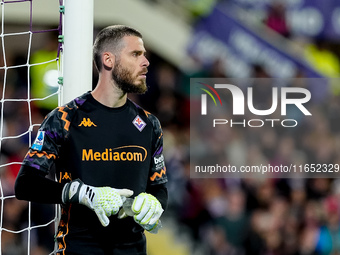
108 60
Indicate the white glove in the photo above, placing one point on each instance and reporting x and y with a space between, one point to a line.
104 201
147 211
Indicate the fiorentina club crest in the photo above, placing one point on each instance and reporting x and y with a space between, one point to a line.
139 123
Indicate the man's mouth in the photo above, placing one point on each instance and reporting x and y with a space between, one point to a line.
143 74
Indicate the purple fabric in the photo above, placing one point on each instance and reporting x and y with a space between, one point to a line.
79 101
158 152
35 166
52 134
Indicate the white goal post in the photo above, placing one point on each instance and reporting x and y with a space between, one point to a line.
77 49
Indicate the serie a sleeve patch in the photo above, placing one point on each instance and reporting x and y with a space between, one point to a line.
39 141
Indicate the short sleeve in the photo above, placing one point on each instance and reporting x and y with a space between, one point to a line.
46 147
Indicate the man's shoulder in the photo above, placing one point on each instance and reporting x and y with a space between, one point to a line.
72 105
65 113
77 102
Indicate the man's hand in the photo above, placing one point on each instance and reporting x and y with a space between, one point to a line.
147 210
104 201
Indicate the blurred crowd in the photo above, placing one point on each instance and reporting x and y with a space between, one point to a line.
291 216
240 216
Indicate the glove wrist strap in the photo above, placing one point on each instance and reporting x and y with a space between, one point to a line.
65 193
72 191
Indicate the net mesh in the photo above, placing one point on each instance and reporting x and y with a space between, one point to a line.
29 71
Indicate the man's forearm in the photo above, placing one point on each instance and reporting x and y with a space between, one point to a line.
32 186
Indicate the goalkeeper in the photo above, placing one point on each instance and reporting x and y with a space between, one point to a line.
104 150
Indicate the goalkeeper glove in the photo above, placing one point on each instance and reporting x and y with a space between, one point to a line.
147 211
104 201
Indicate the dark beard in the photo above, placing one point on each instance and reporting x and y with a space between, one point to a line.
124 81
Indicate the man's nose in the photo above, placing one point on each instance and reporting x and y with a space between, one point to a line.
145 62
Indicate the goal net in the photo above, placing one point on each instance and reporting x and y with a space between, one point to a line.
29 85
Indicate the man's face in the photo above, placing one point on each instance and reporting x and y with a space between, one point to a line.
130 68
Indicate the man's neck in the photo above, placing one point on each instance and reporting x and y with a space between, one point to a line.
108 94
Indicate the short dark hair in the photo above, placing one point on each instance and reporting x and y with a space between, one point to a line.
109 39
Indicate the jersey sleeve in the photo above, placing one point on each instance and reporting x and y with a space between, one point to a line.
158 169
46 147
